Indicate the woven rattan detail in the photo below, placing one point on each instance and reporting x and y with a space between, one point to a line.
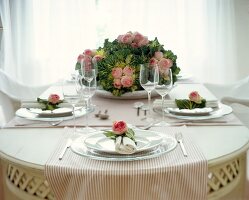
28 183
224 175
220 178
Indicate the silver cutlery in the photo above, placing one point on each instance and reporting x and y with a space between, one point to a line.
68 144
179 139
54 123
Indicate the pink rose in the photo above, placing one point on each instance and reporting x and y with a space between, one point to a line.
165 63
119 127
93 52
80 58
97 58
120 38
126 81
138 37
117 83
128 71
87 63
153 62
143 42
54 98
117 72
127 38
158 55
88 52
134 45
195 97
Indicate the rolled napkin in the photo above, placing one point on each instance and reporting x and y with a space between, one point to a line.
171 103
125 145
35 104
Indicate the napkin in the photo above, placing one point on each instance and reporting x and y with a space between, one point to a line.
125 145
35 104
172 104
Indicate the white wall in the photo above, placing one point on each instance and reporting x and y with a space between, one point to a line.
242 27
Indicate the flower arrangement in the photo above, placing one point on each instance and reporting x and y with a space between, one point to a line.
123 136
119 61
194 101
51 103
120 128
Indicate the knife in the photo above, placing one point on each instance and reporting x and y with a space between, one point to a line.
68 144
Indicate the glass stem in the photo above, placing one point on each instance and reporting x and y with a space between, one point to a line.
74 125
149 103
86 113
163 107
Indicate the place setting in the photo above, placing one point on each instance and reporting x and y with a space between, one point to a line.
195 110
57 108
122 143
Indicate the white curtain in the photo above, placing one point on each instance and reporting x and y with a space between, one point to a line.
42 38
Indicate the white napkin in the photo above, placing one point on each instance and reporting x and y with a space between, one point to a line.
172 104
125 145
35 104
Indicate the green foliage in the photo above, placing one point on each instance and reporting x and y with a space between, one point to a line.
47 105
116 54
187 104
129 133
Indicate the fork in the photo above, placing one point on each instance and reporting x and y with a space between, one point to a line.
179 139
54 123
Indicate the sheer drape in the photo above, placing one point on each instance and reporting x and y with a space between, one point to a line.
42 38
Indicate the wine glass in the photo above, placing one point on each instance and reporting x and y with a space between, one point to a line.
163 87
71 94
89 70
87 90
148 78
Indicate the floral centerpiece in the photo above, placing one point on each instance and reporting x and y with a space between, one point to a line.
119 61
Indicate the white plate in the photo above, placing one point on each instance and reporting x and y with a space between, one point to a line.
168 144
25 113
141 94
217 113
192 112
59 112
146 140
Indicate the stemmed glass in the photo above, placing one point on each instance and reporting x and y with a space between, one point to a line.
148 78
89 70
163 87
71 94
87 90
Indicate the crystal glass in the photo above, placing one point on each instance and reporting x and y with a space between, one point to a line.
71 94
89 71
163 87
148 78
87 90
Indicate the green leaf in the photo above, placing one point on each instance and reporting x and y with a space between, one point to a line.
187 104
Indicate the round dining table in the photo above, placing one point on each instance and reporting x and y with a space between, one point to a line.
24 152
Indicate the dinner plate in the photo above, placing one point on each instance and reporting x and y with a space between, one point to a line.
25 113
168 144
59 112
191 112
146 140
216 113
141 94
